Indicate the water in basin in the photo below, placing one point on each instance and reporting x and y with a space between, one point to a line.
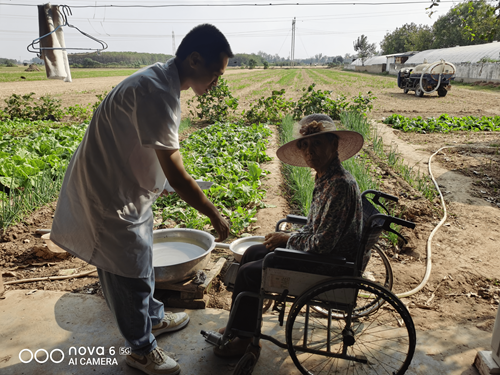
169 251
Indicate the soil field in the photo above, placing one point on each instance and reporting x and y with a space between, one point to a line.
464 285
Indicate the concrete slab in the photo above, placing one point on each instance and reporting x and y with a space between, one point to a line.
82 328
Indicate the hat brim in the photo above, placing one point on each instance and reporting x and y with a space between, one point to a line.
350 142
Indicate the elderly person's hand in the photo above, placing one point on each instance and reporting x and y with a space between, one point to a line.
276 239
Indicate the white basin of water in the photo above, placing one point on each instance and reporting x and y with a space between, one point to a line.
169 251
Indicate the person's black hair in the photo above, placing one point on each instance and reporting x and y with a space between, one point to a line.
208 41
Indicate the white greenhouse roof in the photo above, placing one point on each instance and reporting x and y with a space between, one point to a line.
371 61
459 54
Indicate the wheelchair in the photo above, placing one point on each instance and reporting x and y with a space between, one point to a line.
345 324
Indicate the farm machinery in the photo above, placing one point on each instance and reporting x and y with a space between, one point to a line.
427 78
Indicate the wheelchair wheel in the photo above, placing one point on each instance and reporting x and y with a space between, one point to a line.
379 271
382 342
245 364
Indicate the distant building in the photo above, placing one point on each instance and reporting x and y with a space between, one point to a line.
399 58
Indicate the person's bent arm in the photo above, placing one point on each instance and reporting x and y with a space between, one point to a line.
189 191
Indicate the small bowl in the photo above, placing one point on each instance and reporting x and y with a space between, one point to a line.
239 246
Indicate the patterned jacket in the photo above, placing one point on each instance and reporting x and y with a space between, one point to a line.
334 223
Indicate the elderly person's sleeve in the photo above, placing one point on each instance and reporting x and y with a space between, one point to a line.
322 233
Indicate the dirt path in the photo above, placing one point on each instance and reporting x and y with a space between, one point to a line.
465 253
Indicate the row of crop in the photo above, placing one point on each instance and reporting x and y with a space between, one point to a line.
27 107
32 168
229 155
443 124
220 105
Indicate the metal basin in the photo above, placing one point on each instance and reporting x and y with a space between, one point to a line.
179 253
239 246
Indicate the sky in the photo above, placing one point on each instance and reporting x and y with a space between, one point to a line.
328 27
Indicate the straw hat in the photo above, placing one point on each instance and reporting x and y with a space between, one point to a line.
350 142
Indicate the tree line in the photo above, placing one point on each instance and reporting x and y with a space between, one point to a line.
467 23
116 59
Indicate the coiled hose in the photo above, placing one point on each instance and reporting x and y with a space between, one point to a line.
439 80
428 265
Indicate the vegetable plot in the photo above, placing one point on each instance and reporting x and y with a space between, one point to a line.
443 124
32 167
229 155
24 159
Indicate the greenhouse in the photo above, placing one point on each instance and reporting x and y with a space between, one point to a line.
459 54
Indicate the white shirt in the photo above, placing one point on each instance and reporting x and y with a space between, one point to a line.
104 214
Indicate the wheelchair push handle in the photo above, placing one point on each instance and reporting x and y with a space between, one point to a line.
380 194
388 220
404 223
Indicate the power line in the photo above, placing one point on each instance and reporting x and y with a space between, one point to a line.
245 5
232 20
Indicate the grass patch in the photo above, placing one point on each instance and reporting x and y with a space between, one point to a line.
299 179
479 86
185 124
14 74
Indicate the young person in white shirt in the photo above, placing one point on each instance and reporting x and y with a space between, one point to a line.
129 151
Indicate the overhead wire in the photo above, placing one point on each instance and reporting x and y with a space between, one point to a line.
245 5
234 20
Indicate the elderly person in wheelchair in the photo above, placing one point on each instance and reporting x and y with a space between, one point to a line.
334 224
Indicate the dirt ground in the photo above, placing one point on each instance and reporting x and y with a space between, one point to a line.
464 284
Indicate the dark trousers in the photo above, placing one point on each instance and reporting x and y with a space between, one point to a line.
248 280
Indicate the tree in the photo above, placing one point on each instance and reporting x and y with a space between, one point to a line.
252 63
467 23
408 37
364 49
266 64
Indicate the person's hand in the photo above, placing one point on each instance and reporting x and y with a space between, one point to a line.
166 193
221 226
276 239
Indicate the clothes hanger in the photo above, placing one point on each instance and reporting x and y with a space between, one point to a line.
64 11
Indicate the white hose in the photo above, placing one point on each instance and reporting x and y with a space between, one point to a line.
428 265
430 70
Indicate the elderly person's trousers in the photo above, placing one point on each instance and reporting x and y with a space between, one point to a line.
248 279
135 310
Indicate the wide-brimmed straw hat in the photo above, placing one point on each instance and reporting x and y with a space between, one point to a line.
349 142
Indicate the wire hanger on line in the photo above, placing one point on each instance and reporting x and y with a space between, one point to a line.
64 11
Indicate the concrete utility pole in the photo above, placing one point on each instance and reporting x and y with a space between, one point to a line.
173 43
292 53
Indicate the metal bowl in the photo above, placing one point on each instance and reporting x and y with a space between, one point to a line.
179 253
239 246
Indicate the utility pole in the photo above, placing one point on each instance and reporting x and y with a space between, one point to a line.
292 53
173 43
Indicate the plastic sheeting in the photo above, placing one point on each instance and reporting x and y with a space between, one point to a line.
457 55
371 61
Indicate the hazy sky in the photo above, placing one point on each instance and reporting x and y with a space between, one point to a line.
329 29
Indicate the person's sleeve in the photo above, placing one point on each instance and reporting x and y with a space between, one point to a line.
335 210
156 120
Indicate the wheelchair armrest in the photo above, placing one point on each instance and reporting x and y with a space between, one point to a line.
308 257
296 219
